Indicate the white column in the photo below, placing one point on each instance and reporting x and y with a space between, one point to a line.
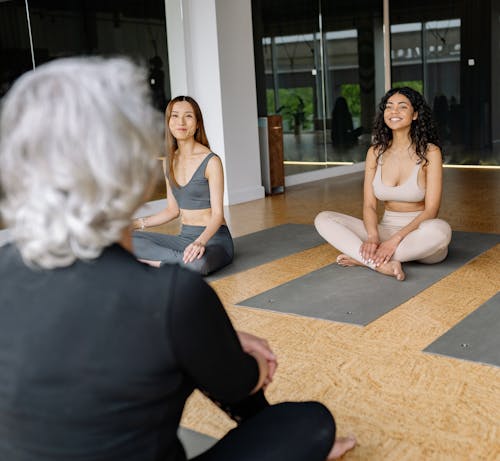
380 65
210 45
176 46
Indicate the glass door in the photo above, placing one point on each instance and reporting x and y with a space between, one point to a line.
322 78
445 50
426 57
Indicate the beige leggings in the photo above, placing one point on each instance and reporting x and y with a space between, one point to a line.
428 244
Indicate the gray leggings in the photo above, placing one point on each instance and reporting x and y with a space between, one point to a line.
165 248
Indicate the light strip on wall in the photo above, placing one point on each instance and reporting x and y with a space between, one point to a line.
29 31
473 167
293 162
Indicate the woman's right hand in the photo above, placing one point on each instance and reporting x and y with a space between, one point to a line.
368 249
193 251
256 347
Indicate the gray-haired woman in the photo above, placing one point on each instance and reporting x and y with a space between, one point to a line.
92 366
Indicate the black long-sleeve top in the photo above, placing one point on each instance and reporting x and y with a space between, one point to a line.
98 359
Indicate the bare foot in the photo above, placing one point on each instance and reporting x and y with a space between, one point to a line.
151 263
392 268
341 446
346 261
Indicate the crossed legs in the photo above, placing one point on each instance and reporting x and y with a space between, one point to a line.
285 431
156 249
428 244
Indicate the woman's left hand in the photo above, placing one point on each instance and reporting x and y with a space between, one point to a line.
193 251
386 250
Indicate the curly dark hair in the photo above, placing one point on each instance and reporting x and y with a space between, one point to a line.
423 130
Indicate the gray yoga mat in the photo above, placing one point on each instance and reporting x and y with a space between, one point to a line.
359 296
476 338
4 236
194 442
261 247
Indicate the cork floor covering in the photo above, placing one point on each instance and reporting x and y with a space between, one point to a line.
402 403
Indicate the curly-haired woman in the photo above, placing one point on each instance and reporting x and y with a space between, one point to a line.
404 170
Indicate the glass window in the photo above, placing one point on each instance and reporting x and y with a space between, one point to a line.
319 60
77 27
15 50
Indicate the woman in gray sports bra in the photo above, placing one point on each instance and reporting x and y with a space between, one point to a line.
403 170
195 190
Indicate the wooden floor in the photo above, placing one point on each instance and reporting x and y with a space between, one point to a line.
401 403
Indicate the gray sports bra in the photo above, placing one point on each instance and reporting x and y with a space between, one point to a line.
195 195
409 191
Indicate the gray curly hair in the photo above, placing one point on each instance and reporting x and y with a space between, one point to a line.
78 141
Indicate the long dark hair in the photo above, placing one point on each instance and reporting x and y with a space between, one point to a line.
199 135
423 130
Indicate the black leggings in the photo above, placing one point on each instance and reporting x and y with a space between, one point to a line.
290 431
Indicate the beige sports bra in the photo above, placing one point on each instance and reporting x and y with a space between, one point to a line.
409 191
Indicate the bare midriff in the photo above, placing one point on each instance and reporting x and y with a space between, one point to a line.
196 217
404 207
